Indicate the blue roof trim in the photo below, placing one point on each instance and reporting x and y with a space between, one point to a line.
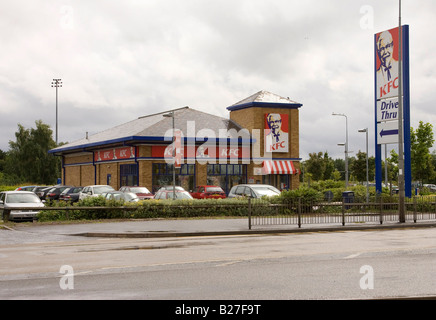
265 105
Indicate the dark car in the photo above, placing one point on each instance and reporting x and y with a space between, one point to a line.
169 192
53 193
70 194
208 192
42 192
142 192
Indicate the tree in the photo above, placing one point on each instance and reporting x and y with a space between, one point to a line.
358 167
28 159
329 166
421 140
315 165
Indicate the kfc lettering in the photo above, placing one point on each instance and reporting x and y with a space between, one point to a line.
386 89
277 146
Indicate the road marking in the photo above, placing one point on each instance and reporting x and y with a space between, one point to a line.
351 256
228 263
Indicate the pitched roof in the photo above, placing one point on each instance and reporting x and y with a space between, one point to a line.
264 99
154 129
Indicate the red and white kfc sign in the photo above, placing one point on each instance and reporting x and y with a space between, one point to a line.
114 154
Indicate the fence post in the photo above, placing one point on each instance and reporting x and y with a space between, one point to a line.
381 209
299 212
343 211
249 213
414 209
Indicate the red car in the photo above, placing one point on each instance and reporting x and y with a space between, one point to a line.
208 192
142 192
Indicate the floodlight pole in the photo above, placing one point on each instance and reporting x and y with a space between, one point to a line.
56 83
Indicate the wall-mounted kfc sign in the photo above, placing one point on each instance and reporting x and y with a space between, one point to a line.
114 154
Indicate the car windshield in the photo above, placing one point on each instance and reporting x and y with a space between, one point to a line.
22 198
116 196
214 189
139 190
99 190
128 196
266 191
180 195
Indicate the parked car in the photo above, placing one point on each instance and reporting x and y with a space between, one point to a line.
208 192
70 194
142 192
120 195
39 190
54 193
25 188
168 193
253 191
432 187
15 199
94 191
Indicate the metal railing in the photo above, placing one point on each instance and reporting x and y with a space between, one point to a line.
377 210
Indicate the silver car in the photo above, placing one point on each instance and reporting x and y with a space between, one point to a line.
253 191
18 199
94 191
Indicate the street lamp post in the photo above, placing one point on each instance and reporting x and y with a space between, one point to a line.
367 169
56 83
171 115
346 147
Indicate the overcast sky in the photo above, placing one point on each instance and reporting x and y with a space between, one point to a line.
119 60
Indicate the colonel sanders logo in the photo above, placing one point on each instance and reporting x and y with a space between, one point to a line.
387 64
276 133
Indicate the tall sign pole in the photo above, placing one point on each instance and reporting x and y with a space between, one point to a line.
392 105
402 216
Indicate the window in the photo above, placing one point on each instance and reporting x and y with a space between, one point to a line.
129 174
163 176
226 175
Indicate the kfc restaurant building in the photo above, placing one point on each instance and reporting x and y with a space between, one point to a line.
259 143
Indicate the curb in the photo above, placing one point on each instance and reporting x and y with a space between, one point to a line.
249 232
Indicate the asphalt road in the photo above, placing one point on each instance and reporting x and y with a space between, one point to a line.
374 264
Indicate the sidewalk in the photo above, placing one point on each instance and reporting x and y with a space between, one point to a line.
201 227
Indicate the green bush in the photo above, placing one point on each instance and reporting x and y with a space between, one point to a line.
146 209
304 193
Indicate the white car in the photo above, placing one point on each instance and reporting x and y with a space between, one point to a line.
94 191
253 191
18 199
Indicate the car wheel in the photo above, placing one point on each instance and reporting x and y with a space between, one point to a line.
6 215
